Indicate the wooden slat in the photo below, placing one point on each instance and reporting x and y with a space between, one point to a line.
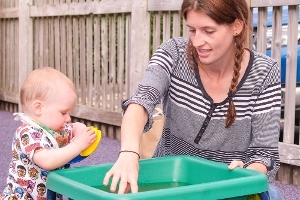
112 69
4 53
40 38
276 34
26 47
296 175
46 42
98 115
263 3
69 48
284 174
82 56
2 72
9 13
289 153
176 24
185 30
156 31
76 57
291 71
9 96
165 5
8 45
63 45
127 57
13 54
89 61
112 62
121 62
57 50
139 32
16 59
81 8
97 62
172 5
262 30
104 60
35 44
166 25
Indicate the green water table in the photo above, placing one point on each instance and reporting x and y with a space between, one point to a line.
172 177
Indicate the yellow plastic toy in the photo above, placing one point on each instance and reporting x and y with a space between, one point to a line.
90 149
253 197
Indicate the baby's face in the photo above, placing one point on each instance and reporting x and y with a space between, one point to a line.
56 111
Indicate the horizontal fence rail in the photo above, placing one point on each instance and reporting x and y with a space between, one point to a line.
104 46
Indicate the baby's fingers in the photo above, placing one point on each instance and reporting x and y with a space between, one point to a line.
235 163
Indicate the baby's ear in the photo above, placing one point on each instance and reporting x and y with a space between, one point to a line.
37 107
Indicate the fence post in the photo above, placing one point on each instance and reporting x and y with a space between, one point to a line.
139 44
25 41
291 71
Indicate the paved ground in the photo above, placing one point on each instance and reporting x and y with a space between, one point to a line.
106 152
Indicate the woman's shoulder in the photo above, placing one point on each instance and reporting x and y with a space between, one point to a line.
178 43
260 58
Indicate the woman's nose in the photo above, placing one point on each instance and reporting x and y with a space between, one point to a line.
198 40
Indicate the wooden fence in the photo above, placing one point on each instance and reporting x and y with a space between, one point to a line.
104 46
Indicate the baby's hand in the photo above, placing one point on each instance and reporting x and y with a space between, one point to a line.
77 127
85 138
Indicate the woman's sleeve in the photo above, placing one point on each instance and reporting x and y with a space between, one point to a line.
266 124
156 80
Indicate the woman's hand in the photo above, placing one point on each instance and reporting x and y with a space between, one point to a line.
235 163
254 166
124 170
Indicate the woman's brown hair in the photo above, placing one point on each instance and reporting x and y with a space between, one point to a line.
222 12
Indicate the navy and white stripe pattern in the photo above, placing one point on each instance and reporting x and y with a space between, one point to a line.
254 135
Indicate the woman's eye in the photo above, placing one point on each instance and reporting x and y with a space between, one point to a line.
209 32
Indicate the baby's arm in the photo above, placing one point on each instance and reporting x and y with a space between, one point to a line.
50 159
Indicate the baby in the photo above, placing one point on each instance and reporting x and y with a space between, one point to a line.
46 140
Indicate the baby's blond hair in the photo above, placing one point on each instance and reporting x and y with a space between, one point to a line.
42 84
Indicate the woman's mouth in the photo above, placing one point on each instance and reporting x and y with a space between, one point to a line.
203 52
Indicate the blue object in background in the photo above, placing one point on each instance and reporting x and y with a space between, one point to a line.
284 39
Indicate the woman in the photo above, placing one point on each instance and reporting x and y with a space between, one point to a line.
221 100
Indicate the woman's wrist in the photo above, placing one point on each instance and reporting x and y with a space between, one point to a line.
129 151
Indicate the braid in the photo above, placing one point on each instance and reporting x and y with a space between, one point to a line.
192 55
231 112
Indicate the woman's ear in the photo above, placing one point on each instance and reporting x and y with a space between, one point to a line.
237 27
37 107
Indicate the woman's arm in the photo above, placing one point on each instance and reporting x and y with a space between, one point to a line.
126 167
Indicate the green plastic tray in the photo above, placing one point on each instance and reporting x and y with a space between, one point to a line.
188 177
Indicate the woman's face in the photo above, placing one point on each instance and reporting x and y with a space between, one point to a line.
214 42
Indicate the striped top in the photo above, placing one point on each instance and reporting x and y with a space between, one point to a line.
189 111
